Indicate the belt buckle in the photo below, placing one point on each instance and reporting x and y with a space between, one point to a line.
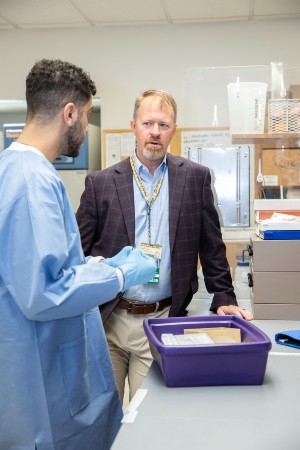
130 305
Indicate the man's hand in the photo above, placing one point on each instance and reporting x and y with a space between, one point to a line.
234 311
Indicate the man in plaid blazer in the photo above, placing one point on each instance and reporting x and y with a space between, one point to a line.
116 211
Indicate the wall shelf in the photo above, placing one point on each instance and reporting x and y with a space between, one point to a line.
278 140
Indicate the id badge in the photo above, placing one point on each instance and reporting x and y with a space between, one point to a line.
154 250
155 279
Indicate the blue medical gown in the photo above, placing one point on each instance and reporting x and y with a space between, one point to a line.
57 388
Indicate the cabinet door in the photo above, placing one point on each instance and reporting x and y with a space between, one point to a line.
230 169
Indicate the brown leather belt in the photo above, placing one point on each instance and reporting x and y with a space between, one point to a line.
134 307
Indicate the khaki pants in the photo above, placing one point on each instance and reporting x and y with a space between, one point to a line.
129 347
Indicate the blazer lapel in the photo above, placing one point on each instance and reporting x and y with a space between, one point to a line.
177 176
124 185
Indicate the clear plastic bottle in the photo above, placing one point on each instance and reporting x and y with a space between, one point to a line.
241 281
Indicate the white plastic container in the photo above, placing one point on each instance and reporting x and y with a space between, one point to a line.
241 282
247 105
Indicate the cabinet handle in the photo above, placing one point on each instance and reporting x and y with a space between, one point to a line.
250 280
250 250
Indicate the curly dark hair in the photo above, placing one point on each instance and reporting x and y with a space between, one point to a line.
53 83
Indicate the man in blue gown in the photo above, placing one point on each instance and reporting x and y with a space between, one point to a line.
57 389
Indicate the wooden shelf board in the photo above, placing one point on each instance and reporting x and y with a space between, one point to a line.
279 140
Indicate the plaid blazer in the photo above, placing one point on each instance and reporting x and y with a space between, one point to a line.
106 223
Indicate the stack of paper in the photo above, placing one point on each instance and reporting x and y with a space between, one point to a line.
279 226
186 340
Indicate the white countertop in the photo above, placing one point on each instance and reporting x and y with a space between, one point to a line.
257 417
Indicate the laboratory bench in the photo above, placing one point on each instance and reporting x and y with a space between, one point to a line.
257 417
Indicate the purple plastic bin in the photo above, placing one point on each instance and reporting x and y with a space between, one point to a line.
211 364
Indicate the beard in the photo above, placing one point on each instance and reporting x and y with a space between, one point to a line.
73 140
153 154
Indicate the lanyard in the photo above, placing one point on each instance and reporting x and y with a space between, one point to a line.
144 192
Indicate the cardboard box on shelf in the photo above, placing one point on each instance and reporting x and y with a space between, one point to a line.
295 90
285 164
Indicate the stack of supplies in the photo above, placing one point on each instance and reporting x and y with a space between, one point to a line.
203 336
277 219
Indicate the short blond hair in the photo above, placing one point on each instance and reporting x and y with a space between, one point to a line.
165 97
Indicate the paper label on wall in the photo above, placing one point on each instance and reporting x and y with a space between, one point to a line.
204 138
270 180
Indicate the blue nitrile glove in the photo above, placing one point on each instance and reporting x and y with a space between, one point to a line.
120 258
138 269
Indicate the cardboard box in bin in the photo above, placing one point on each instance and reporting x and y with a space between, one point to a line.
243 363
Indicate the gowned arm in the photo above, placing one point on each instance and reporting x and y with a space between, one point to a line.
42 265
